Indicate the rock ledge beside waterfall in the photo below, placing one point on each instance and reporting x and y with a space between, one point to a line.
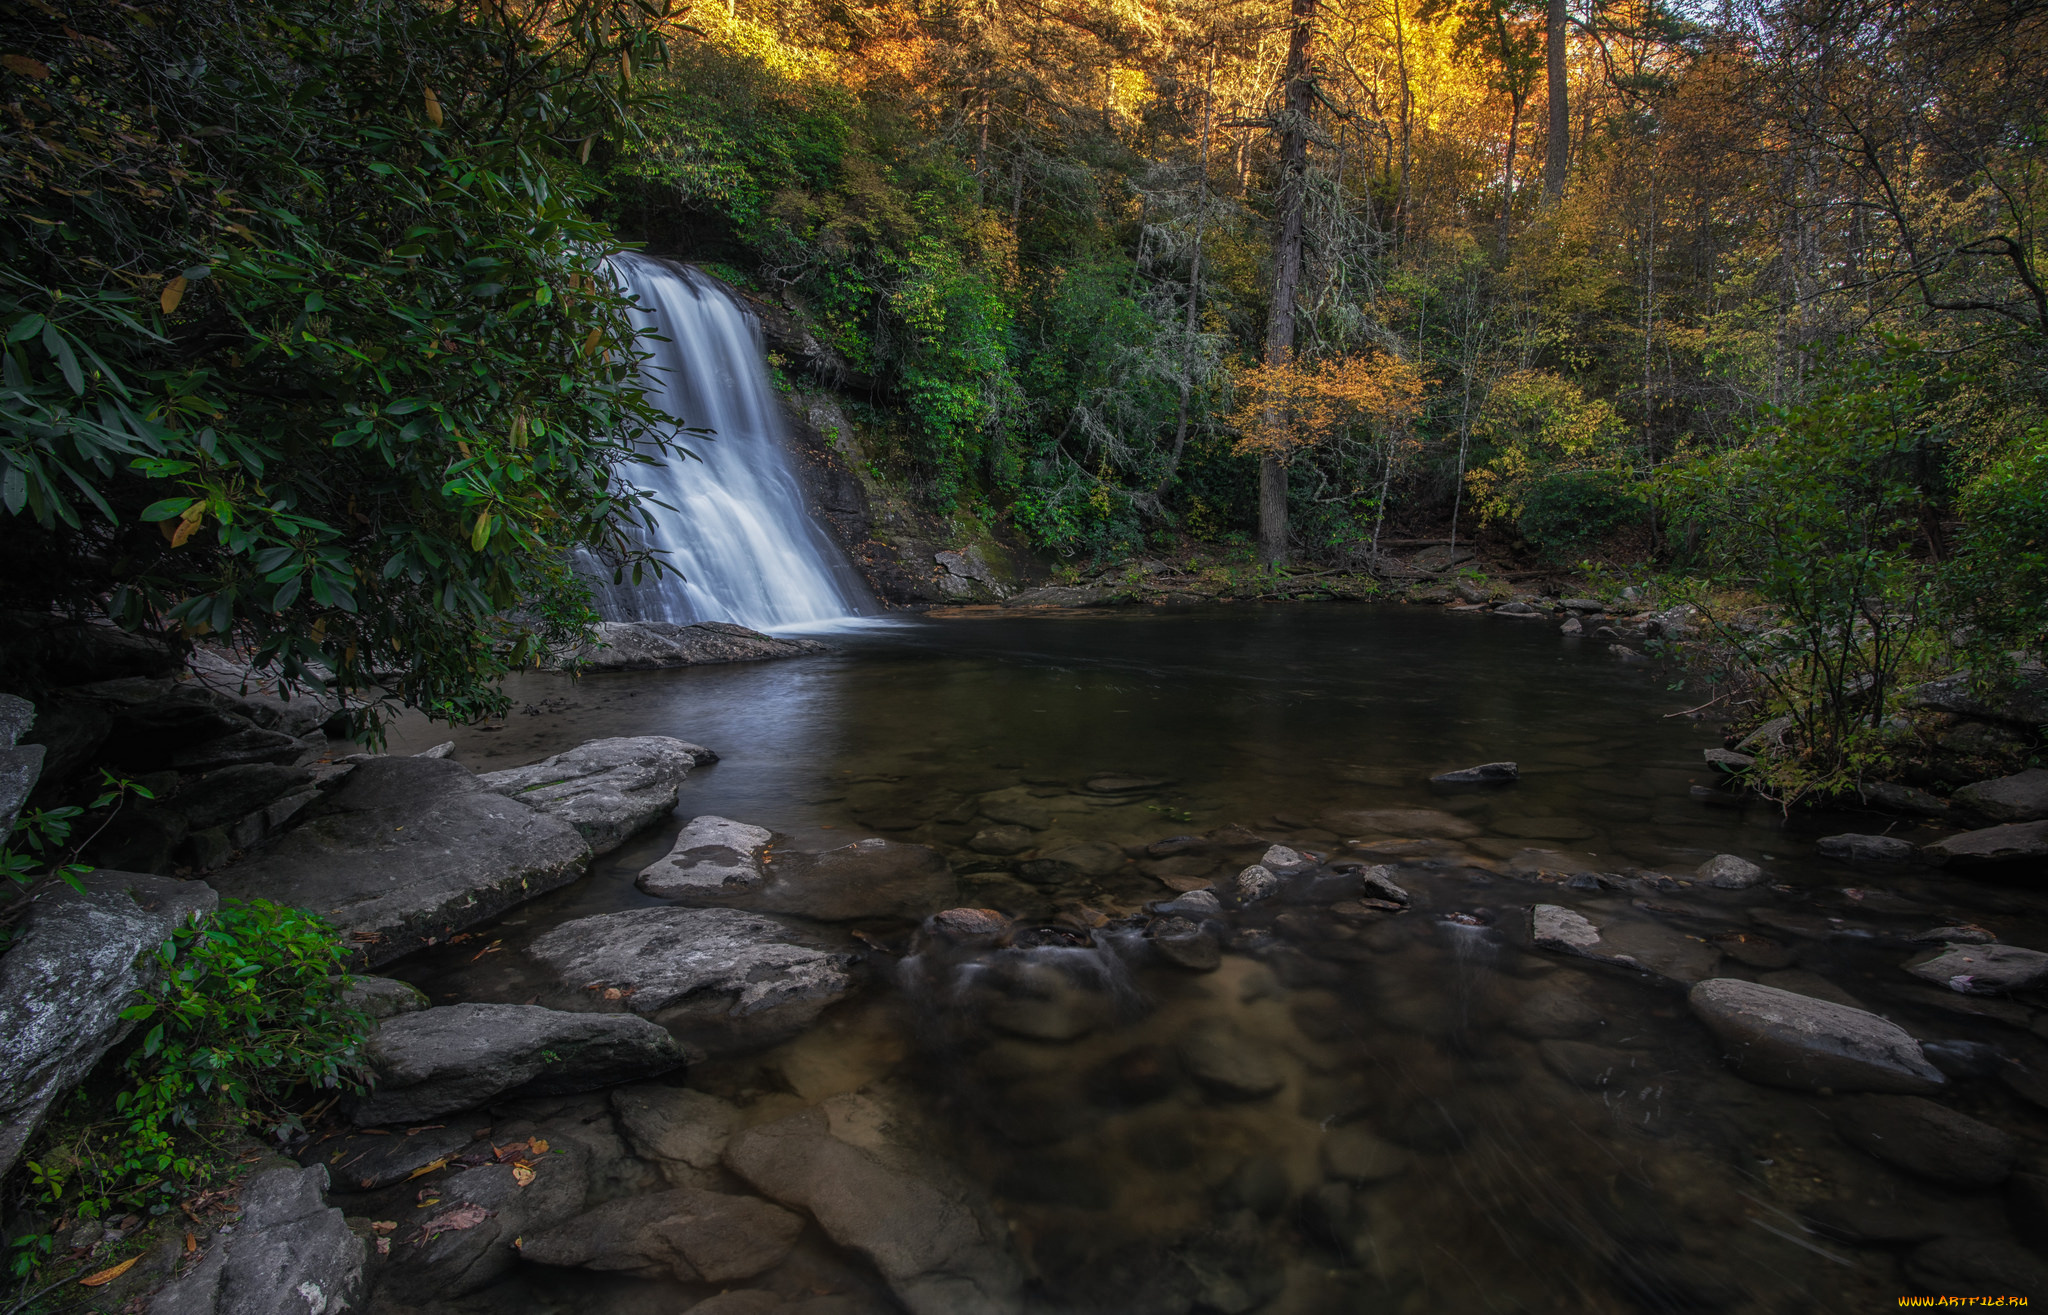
647 645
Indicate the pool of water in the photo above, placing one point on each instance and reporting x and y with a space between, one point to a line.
1438 1117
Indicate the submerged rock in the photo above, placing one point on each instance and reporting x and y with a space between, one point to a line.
691 1235
723 979
411 848
1228 1063
647 645
456 1057
710 853
606 789
862 1169
1982 969
75 962
1785 1039
682 1132
870 879
1728 872
1931 1140
1411 822
1866 851
288 1251
1354 1154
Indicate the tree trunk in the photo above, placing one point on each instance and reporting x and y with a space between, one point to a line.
1180 428
1407 117
1557 152
1507 188
1299 89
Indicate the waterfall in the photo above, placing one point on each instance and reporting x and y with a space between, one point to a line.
747 550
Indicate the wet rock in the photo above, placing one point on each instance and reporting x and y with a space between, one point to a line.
1904 799
1226 1063
232 793
647 645
288 1251
2022 797
870 879
1378 882
859 1166
1866 1223
1927 1139
1483 774
970 927
383 997
1279 858
1255 883
1002 840
1554 1014
1976 1267
1092 858
1427 822
693 1235
2012 842
1981 969
1788 1040
1866 851
1754 950
76 960
362 1162
710 853
606 789
1646 947
407 848
2026 1207
1113 783
1804 983
1728 760
1966 1059
1554 927
1193 904
2020 698
1354 1154
723 979
1961 933
457 1057
1185 944
683 1132
464 1241
1727 872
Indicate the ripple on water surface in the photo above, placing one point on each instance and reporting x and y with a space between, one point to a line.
1352 1106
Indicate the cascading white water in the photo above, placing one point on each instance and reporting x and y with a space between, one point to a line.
747 550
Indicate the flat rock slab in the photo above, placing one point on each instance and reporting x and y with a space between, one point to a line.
1785 1039
463 1239
648 645
1228 1063
860 1168
76 961
1483 774
1640 946
1866 851
407 848
456 1057
710 854
1982 969
683 1132
723 979
869 879
2021 797
288 1251
691 1235
606 789
365 1162
2012 842
1933 1141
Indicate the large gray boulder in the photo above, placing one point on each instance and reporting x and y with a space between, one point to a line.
691 1235
2020 698
21 766
1788 1040
75 963
722 979
646 645
410 848
2021 797
710 854
862 1169
682 1132
289 1253
2013 842
464 1238
437 1061
865 880
1981 969
606 789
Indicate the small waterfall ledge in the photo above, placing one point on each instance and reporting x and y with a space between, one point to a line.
748 551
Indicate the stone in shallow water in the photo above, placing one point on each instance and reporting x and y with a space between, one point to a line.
1255 883
1865 851
383 997
1592 1067
2022 797
870 879
710 853
683 1132
968 926
1728 872
1982 969
457 1057
1931 1140
1399 822
1483 774
1112 783
724 979
1002 840
2010 843
1789 1040
1185 943
693 1235
1228 1064
1356 1155
1554 1014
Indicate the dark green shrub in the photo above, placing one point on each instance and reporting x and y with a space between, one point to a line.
1565 511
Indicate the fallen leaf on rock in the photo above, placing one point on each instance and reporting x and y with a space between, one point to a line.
428 1168
191 1244
540 1147
465 1216
109 1274
383 1246
522 1175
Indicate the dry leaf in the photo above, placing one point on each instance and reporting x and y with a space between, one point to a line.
539 1147
433 107
383 1246
590 343
174 292
108 1275
28 68
191 1244
522 1175
426 1169
613 993
465 1216
383 1225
